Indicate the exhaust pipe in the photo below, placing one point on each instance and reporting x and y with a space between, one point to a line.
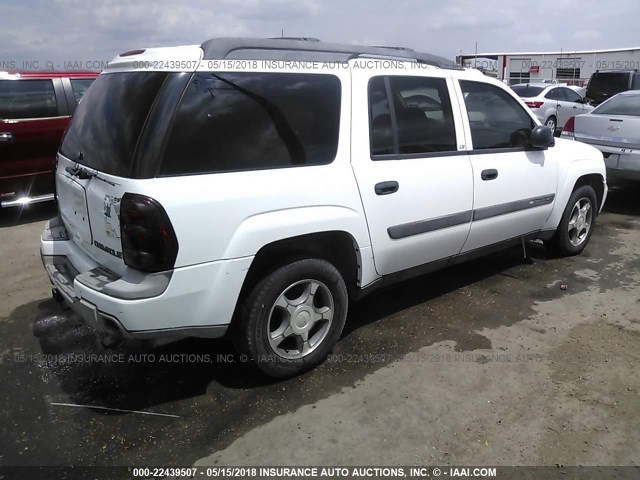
57 296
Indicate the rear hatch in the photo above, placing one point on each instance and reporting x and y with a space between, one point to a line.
95 164
615 123
604 85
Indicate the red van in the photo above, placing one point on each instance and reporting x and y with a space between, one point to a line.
35 108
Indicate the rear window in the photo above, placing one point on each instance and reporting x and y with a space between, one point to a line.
620 105
527 91
247 121
105 128
608 82
80 87
27 99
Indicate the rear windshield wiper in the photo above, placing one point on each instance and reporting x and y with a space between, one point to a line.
82 174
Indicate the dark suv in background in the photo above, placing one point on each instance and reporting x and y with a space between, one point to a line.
35 108
604 84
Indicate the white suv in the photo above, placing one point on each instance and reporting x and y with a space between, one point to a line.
255 186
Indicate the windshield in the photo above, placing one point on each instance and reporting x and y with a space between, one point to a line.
527 91
620 105
106 126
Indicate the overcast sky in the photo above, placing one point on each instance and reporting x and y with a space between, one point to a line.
80 30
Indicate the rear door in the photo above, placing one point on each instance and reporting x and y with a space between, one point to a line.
409 158
33 116
570 104
514 186
550 107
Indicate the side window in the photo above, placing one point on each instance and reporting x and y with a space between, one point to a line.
421 120
553 94
27 99
496 119
423 114
570 96
381 138
229 121
80 86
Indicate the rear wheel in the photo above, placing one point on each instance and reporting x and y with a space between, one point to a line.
552 123
577 222
293 317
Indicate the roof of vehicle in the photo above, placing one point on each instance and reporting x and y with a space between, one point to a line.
310 49
52 74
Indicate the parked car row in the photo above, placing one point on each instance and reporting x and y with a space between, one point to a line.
35 108
555 104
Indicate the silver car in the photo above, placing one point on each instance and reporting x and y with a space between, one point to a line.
552 104
614 129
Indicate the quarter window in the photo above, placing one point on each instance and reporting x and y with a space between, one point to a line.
248 121
496 119
27 99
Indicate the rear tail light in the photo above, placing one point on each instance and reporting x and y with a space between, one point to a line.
149 243
534 104
569 127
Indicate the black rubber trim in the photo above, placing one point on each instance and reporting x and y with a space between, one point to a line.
510 207
451 153
424 226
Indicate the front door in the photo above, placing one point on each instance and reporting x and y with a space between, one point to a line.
514 186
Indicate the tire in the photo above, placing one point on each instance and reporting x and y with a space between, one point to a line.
571 240
552 123
280 312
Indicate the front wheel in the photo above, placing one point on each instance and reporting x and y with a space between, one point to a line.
293 317
577 222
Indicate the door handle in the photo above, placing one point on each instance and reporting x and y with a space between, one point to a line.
490 174
6 137
385 188
575 107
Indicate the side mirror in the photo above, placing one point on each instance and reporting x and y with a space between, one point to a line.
542 137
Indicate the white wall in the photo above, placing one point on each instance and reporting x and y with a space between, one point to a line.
548 64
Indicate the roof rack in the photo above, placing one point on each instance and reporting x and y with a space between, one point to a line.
404 49
308 49
302 39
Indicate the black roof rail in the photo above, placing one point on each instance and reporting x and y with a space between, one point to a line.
303 39
404 49
308 50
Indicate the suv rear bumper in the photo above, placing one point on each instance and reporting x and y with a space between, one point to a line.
195 301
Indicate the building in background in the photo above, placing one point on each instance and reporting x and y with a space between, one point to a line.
572 67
